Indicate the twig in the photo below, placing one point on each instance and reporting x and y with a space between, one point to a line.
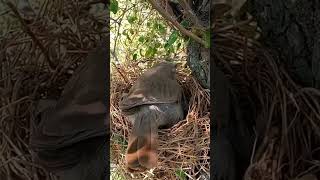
189 13
183 30
124 77
14 102
225 28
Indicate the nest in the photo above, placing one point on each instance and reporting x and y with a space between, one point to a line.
183 149
38 55
287 114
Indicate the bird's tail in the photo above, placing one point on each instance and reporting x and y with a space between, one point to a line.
142 147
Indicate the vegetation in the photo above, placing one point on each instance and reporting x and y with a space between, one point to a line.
141 36
139 33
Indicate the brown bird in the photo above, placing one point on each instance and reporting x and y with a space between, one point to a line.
69 135
154 101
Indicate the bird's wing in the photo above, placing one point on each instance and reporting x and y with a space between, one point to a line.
151 90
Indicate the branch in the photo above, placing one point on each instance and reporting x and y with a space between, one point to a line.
189 13
183 30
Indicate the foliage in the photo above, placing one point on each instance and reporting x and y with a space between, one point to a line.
138 32
181 174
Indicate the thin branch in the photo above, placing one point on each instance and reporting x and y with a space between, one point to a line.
119 21
190 14
114 55
121 74
183 30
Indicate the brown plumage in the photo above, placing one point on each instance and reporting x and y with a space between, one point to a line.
153 101
68 135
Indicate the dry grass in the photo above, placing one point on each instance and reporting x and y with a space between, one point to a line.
184 147
288 115
37 57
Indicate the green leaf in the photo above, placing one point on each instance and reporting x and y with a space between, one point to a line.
141 39
181 174
172 39
148 52
155 26
159 27
162 29
151 51
135 56
114 6
185 23
132 19
155 50
170 50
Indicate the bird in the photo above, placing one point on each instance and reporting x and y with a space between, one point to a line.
69 134
153 102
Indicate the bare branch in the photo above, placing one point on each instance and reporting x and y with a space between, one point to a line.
183 30
190 14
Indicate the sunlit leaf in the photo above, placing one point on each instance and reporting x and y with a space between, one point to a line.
159 27
162 29
170 50
132 19
141 39
151 51
143 34
172 39
114 6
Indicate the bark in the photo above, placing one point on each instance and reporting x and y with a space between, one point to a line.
292 29
198 62
198 55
